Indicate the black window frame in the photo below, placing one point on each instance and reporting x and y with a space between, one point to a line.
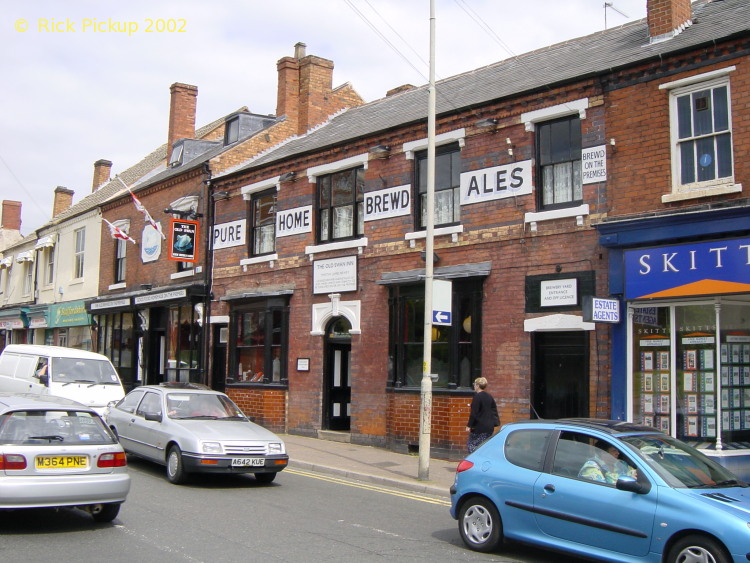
548 134
274 315
325 204
120 260
451 343
255 227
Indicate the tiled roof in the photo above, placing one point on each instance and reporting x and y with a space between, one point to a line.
571 60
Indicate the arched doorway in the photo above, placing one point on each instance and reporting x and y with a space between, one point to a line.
337 391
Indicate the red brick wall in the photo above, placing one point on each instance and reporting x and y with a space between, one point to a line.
266 407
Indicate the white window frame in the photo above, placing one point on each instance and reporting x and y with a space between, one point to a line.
78 254
677 89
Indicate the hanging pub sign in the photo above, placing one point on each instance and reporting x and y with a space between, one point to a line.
183 240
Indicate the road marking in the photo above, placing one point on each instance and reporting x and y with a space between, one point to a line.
369 487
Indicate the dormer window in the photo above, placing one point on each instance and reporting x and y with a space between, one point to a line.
232 131
175 159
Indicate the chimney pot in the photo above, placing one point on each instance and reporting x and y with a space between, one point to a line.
300 50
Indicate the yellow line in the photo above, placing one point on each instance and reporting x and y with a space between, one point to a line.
368 487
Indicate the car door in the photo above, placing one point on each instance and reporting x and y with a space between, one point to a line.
146 434
121 417
589 512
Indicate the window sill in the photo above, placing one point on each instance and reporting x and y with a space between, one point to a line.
453 231
183 274
579 212
707 191
121 285
270 258
359 244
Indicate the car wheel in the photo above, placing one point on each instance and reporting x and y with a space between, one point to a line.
698 549
480 525
265 477
175 470
107 513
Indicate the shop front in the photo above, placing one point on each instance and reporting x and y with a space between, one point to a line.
681 361
13 324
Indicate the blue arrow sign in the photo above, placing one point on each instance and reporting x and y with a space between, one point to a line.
441 318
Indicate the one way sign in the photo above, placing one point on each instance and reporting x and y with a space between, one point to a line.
442 297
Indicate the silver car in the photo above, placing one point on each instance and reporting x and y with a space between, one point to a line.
192 429
55 452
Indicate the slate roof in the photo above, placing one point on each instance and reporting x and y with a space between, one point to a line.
594 54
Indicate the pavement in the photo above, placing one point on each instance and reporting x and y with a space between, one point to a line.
369 464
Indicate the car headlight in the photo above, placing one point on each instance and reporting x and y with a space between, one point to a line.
275 448
212 448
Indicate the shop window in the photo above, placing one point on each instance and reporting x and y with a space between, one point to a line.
184 344
559 156
447 186
456 349
80 235
691 371
117 341
340 205
259 336
263 223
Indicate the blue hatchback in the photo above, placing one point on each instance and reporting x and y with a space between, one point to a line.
604 489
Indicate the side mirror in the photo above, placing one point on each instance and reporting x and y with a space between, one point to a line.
632 485
153 416
44 379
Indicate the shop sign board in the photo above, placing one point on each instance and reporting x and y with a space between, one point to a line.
390 202
692 269
72 313
227 235
183 240
497 182
294 221
600 310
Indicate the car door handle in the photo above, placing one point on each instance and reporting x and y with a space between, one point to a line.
550 488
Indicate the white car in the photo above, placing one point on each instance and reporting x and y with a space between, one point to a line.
192 429
55 452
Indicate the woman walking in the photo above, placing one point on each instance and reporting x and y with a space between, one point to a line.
483 417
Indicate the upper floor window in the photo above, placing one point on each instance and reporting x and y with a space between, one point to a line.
28 277
263 223
120 251
340 205
232 131
447 186
80 235
49 277
559 154
703 148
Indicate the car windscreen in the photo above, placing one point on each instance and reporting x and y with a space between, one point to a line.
78 370
62 427
679 464
186 405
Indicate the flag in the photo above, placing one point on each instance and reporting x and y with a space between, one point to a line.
142 209
117 232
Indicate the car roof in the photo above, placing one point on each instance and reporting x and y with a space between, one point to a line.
612 427
54 351
181 386
20 401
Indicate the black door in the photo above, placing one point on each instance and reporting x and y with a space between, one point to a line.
337 381
219 358
560 386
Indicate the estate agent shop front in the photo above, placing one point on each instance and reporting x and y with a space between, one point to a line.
686 344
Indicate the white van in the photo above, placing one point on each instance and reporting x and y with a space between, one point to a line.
82 376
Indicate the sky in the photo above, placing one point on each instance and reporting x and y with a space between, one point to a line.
85 80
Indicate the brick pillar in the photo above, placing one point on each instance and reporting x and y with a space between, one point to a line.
182 108
102 169
63 200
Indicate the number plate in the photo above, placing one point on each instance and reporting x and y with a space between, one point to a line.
62 462
248 462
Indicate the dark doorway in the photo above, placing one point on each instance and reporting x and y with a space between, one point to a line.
560 380
219 357
156 340
337 382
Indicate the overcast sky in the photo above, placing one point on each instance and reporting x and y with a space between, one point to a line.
75 89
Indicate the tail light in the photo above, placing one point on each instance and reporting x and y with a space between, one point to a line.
114 459
12 461
464 465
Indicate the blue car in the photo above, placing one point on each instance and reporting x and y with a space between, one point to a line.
602 489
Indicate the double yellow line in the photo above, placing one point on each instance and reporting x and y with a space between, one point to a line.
369 487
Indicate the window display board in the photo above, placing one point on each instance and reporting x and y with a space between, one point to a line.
696 392
735 384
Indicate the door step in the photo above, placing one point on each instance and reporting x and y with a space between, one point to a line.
335 436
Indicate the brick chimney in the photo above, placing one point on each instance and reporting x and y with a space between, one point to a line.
63 200
667 18
102 169
11 217
181 113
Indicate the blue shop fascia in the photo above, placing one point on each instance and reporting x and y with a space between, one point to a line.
681 354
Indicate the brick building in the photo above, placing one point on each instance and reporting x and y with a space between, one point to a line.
325 300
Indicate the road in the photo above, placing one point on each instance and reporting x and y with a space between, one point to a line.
302 516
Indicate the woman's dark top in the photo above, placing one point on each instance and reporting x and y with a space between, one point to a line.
483 417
